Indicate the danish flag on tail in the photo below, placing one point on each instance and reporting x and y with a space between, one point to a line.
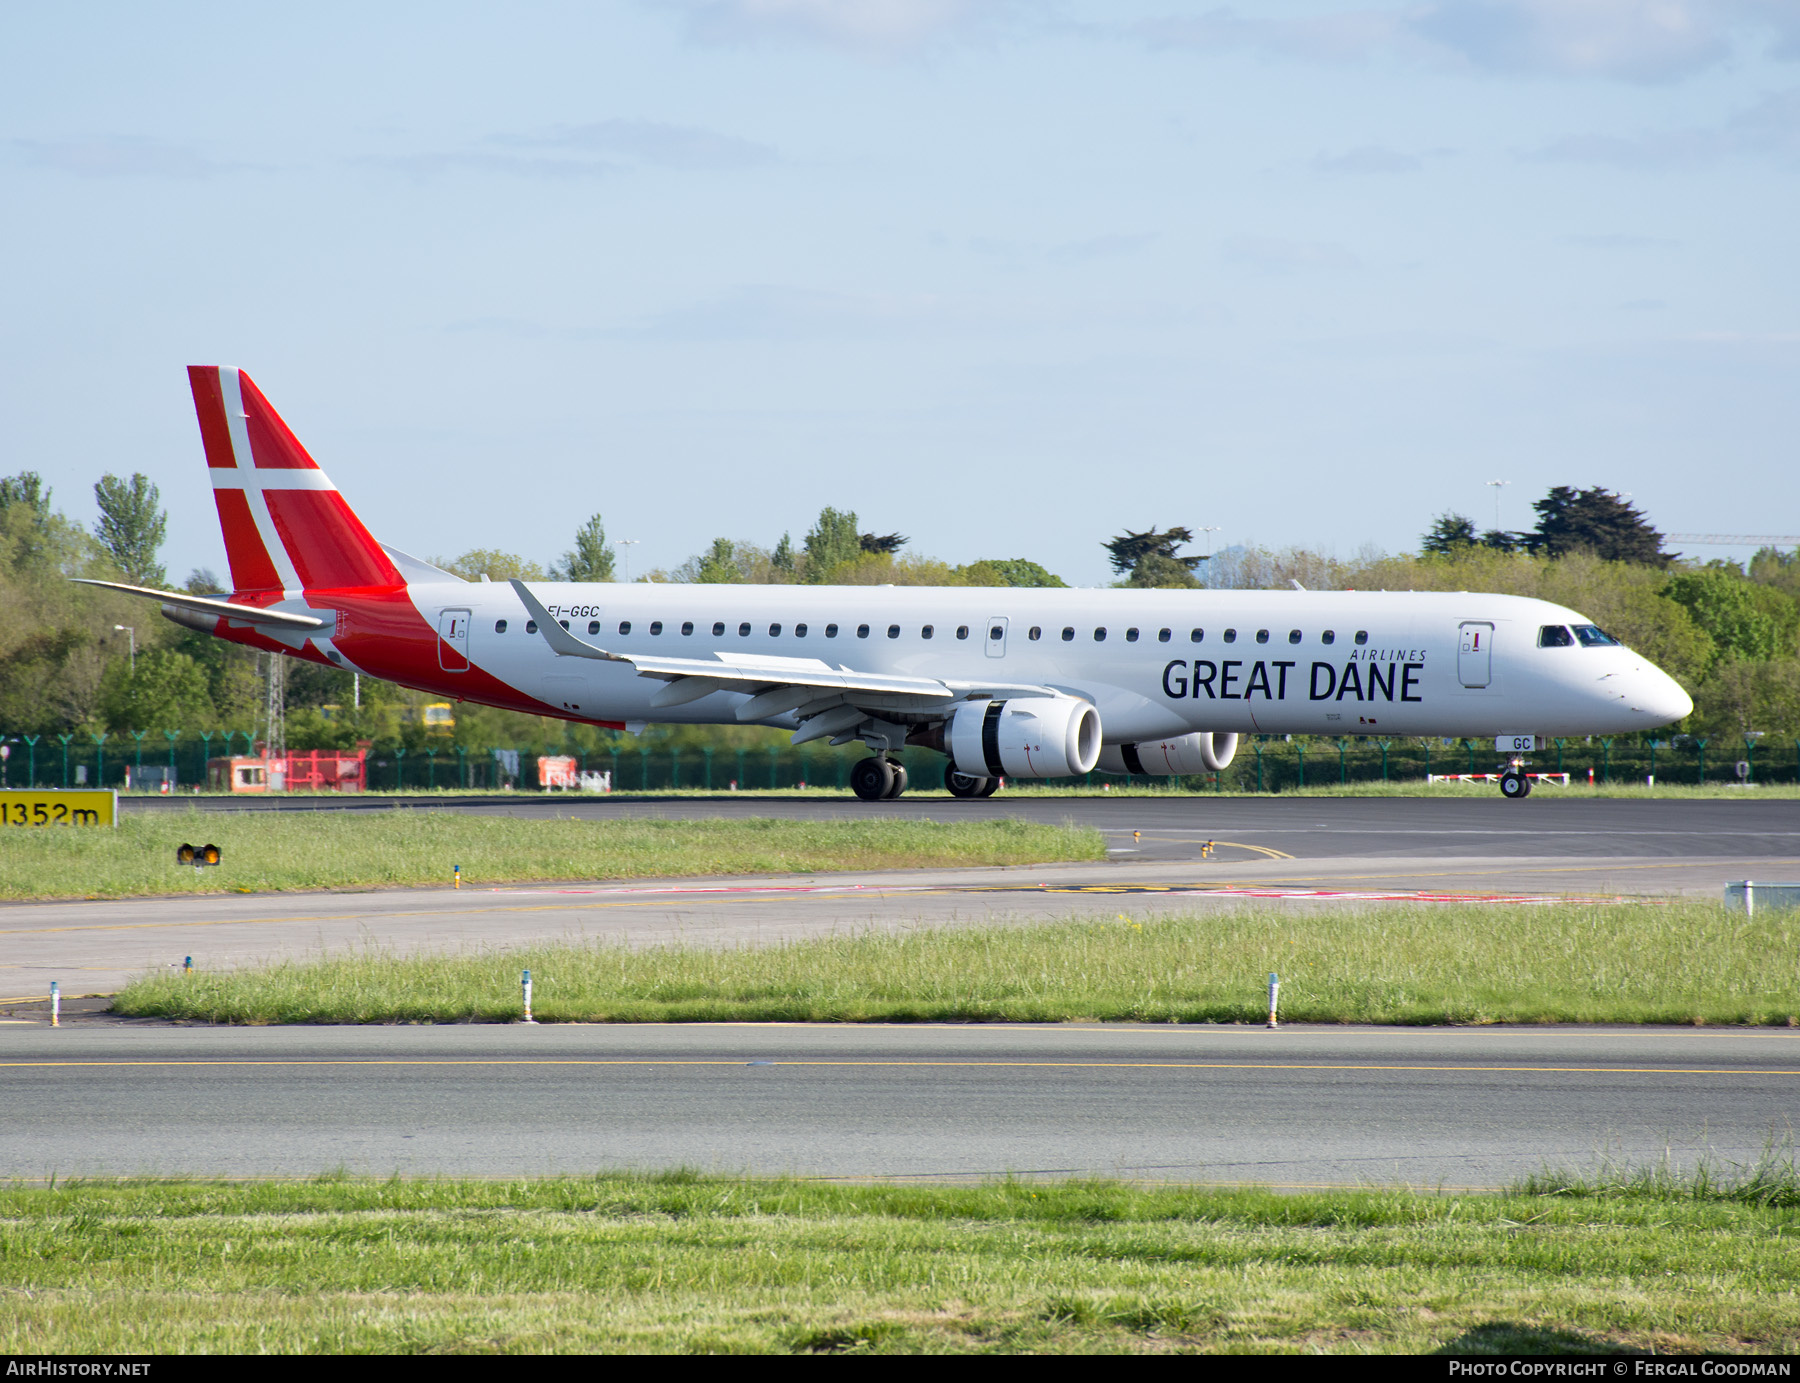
286 526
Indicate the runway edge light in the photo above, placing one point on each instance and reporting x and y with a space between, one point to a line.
1274 995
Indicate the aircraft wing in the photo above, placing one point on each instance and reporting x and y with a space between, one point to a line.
806 685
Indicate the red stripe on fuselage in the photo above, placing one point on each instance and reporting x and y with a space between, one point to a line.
385 635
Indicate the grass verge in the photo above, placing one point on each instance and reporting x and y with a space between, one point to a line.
1432 963
375 849
701 1264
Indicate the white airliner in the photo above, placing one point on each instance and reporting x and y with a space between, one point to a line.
1008 683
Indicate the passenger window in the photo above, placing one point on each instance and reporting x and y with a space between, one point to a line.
1163 635
893 631
1068 634
499 626
688 627
774 631
564 623
799 631
1035 633
1131 636
1262 635
1231 636
1293 636
593 626
624 626
1195 635
531 626
1555 636
925 633
962 631
862 631
1362 636
744 630
831 631
1099 636
1328 637
656 626
997 633
718 628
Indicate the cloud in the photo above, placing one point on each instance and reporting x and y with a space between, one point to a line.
1367 158
1616 242
1349 36
1633 40
870 27
122 156
1272 255
1770 128
598 149
1624 40
650 143
1101 247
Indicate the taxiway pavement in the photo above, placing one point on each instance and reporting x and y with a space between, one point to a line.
1426 1107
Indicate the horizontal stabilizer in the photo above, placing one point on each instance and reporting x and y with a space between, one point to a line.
205 605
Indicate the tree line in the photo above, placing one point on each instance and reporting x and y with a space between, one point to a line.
1729 632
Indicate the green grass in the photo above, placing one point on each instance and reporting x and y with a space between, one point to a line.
700 1264
380 849
1423 963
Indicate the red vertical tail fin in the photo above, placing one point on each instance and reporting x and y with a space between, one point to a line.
286 526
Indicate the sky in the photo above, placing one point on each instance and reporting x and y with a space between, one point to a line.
1006 276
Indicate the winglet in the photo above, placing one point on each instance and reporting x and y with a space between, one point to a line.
561 641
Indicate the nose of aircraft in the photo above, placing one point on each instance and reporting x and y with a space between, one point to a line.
1658 696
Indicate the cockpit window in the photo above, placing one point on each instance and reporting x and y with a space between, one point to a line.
1555 636
1592 637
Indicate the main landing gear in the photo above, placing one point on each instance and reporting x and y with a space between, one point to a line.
877 779
1514 785
966 785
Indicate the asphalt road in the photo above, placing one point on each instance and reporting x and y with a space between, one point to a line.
1173 827
1293 1107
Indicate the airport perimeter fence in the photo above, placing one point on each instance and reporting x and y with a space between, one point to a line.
1263 763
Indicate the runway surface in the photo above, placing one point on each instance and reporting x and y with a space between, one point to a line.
1173 827
1302 853
1293 1107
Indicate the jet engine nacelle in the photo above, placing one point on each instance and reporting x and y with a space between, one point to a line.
1202 752
1028 737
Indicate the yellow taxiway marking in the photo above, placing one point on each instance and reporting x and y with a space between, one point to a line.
913 1065
1270 851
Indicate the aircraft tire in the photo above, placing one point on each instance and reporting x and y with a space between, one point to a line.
899 781
962 784
989 786
872 779
1514 785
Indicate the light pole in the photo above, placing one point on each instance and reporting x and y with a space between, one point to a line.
131 643
1495 485
1207 556
626 556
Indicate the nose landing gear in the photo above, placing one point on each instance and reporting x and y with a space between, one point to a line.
1514 785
